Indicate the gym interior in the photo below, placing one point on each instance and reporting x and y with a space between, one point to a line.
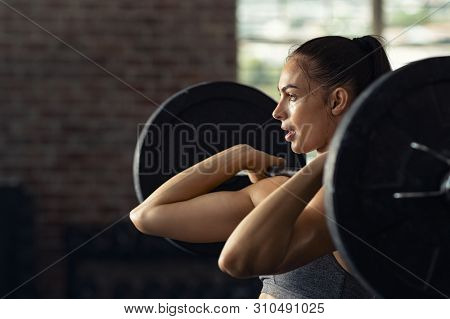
79 81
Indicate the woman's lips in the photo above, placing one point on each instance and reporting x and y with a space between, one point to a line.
289 136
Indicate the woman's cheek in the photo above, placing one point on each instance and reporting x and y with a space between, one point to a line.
297 117
293 107
305 141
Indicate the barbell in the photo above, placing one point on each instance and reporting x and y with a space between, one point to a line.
198 122
387 176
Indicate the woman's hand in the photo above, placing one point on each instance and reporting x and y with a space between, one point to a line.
258 162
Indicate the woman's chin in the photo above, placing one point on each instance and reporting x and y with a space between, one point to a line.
300 148
296 147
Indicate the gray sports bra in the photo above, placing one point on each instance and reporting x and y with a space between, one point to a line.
323 278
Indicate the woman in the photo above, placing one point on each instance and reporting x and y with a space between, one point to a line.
278 233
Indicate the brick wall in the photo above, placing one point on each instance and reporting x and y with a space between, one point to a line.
68 129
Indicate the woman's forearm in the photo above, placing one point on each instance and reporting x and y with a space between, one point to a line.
201 177
263 236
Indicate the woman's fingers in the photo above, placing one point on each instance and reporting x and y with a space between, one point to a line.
266 160
259 162
255 177
260 173
278 161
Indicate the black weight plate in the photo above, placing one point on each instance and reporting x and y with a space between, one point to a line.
406 105
199 122
397 247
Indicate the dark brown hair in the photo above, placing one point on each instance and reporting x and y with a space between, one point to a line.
334 61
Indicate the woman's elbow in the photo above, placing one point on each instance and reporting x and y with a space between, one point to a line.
234 266
141 220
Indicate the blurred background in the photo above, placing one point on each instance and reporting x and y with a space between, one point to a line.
69 126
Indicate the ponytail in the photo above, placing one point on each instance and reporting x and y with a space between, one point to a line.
373 49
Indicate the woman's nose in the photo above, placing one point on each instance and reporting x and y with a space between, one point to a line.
278 113
276 116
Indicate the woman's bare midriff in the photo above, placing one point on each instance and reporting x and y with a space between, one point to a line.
338 259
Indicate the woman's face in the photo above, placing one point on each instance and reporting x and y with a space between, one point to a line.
302 111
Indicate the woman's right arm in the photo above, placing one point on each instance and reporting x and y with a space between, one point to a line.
183 209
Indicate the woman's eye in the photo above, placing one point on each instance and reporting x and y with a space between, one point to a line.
292 98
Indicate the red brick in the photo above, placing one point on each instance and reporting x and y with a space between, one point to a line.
68 129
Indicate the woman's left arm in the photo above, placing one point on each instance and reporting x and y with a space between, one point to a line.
285 231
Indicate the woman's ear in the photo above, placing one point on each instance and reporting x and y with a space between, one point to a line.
339 100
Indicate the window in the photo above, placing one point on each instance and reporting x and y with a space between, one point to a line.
268 29
418 29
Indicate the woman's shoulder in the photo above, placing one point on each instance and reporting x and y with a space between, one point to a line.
261 189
